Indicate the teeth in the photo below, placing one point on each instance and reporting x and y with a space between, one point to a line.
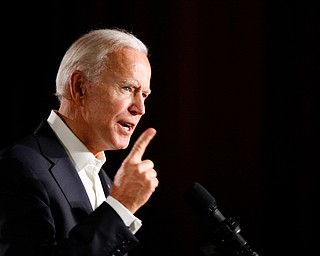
126 126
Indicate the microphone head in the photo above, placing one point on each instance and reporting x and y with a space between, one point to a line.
199 199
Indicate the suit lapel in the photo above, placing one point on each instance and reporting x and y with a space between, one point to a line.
71 185
62 168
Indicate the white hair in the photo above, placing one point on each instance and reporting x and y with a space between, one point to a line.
89 54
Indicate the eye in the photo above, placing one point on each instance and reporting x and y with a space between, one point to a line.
127 89
134 90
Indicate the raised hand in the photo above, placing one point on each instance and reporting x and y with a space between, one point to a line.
136 179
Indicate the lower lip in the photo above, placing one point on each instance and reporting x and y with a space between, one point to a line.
124 130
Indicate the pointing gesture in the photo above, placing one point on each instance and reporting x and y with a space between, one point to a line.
140 146
136 179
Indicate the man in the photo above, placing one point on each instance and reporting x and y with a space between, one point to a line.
54 200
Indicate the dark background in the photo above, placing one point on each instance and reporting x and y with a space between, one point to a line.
233 99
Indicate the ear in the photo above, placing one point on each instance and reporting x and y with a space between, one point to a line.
77 87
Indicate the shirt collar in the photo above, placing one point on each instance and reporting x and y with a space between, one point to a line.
77 151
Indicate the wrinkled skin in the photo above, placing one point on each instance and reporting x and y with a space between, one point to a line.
104 116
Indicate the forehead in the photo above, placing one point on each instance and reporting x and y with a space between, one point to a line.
128 64
128 60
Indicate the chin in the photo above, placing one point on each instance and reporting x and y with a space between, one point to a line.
122 144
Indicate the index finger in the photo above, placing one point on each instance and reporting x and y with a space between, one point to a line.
140 145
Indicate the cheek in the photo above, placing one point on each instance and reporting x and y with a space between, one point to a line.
99 101
107 104
108 108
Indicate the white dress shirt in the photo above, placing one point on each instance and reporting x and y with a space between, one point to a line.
88 166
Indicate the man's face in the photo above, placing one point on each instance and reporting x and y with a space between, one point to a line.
113 108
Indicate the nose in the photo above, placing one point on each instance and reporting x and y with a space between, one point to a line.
137 107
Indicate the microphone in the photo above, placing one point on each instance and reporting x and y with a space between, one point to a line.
223 234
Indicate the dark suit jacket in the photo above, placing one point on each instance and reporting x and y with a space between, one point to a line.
44 208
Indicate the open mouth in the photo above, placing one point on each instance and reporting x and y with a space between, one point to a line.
126 126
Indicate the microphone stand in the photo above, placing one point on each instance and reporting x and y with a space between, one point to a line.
224 236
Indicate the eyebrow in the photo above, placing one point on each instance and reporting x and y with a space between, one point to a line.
135 84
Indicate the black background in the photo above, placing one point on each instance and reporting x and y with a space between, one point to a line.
233 100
